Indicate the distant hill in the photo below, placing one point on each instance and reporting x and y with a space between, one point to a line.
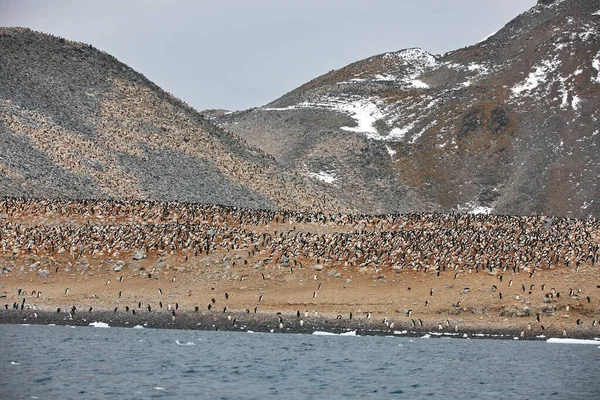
77 123
509 125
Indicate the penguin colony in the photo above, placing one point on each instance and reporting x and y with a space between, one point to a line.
426 243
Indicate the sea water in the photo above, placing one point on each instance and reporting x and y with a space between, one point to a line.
62 362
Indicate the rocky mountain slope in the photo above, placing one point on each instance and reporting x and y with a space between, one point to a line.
508 125
77 123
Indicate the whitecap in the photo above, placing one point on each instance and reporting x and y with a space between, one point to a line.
138 327
158 388
184 344
14 363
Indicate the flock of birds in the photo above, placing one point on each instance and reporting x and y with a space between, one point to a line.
428 243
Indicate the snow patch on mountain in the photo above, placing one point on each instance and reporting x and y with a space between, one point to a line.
324 176
596 66
415 56
536 77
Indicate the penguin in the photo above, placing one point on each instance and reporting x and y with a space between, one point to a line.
431 292
314 295
226 296
196 309
260 298
160 291
120 293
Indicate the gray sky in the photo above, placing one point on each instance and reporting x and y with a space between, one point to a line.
237 54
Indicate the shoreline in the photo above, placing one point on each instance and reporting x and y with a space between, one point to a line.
269 323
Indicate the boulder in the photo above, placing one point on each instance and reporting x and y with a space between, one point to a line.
138 255
44 273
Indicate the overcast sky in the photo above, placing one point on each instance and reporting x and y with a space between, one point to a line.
237 54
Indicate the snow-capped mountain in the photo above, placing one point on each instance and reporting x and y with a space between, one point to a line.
508 125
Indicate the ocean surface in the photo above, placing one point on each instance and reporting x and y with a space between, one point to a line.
62 362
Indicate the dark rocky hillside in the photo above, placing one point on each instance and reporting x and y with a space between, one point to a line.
509 125
77 123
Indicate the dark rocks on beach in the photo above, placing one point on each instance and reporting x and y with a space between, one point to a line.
262 323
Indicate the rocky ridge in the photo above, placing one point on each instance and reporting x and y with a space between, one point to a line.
507 126
77 123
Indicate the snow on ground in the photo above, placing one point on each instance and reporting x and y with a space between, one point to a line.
99 324
390 151
536 77
596 65
419 84
473 208
572 341
323 333
324 176
414 62
596 13
575 103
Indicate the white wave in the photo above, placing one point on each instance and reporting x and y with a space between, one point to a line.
184 344
138 327
96 324
158 388
14 363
